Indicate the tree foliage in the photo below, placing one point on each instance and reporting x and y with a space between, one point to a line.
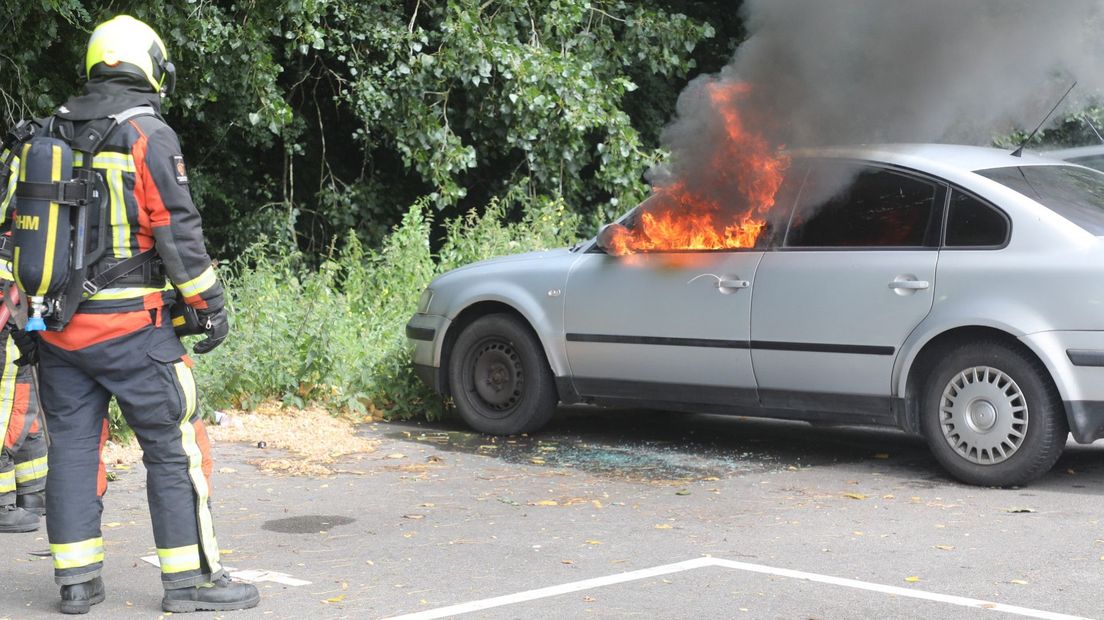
302 118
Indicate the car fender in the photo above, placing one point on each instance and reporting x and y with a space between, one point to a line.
537 302
1007 315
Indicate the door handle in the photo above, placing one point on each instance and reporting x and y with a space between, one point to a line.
726 286
909 285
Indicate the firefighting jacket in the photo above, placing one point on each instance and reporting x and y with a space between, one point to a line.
150 206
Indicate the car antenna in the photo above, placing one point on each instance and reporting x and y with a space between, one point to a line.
1019 151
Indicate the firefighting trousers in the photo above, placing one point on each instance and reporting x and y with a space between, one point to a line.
148 373
23 452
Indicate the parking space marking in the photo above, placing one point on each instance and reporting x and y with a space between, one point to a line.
678 567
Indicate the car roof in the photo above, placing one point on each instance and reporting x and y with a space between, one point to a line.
929 157
1078 151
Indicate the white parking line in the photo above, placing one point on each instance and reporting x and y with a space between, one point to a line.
667 569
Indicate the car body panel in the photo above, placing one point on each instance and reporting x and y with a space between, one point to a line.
661 326
827 322
537 297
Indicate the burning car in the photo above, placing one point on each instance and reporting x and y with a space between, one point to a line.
952 292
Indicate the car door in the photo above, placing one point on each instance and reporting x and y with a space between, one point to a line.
852 278
662 327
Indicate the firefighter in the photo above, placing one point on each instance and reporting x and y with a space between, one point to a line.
120 341
23 462
23 452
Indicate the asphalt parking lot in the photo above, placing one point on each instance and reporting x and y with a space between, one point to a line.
623 514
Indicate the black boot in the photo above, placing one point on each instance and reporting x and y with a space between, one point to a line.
223 594
15 519
32 502
78 597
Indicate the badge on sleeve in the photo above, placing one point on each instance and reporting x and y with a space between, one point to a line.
181 171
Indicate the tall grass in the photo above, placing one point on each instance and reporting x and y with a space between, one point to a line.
334 335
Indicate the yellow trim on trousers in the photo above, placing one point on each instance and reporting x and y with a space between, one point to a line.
195 468
34 469
78 554
179 559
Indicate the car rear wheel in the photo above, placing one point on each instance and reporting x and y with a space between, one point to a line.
992 416
499 377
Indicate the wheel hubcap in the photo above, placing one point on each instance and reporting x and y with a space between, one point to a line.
498 375
983 415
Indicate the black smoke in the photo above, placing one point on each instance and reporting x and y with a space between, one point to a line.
869 71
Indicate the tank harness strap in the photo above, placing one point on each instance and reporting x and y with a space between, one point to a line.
96 283
74 192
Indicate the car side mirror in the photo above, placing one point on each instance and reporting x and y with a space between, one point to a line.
605 236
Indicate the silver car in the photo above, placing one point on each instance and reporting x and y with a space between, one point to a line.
953 292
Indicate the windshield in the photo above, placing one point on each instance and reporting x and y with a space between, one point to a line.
1074 193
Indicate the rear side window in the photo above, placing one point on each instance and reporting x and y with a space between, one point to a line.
1092 161
1076 194
844 205
973 223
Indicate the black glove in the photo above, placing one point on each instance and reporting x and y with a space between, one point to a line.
216 325
27 343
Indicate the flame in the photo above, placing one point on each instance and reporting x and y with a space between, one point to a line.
725 210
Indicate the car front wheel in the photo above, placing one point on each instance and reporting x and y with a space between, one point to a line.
499 377
992 416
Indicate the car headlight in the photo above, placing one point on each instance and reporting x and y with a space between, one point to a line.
425 300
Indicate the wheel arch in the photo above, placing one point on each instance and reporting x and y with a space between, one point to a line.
471 313
926 353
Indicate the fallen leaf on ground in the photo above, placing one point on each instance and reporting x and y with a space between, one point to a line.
881 455
396 455
663 526
682 492
335 599
593 542
855 495
536 461
1019 582
912 579
414 516
945 547
545 502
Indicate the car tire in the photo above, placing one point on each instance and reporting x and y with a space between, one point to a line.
992 416
499 377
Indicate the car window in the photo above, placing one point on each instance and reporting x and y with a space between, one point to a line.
849 205
1076 194
973 223
773 221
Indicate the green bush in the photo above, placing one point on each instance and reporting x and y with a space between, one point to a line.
334 335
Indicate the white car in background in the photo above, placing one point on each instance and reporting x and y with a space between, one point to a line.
953 292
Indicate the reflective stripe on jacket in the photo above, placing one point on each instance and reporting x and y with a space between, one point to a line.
149 205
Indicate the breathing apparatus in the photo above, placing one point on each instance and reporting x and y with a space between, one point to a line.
60 226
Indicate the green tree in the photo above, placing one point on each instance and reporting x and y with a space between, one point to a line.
304 118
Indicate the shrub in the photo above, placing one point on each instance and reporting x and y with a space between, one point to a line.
334 335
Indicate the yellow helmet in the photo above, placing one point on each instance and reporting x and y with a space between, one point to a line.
126 45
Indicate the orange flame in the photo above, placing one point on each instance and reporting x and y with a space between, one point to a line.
727 212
